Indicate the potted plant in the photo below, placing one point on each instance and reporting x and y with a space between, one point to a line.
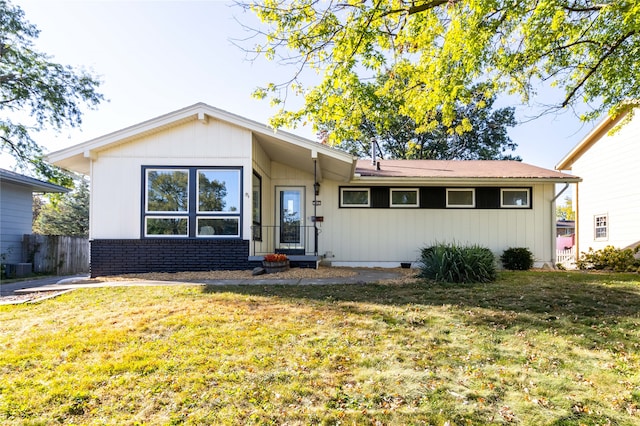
277 262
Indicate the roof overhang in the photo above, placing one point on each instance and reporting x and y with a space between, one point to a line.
598 132
280 146
29 183
459 182
456 173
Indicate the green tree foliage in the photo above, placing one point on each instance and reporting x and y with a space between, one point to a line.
67 216
484 137
211 194
432 53
36 93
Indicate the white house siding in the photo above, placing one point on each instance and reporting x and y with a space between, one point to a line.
354 236
117 176
283 175
262 165
611 179
14 202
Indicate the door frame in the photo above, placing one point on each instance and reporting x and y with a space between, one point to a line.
300 244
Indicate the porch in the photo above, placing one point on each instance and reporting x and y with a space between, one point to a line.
298 242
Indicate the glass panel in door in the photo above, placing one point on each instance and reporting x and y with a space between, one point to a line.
291 217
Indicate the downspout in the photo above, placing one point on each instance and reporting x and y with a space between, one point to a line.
554 249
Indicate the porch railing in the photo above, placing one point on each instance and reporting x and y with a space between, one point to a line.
300 240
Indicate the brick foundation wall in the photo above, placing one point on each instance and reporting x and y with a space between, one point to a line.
114 257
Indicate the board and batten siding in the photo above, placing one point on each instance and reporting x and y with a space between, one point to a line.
15 201
262 166
358 236
116 184
610 186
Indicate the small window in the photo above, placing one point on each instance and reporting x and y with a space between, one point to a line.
461 197
404 197
167 226
601 224
218 227
514 197
352 197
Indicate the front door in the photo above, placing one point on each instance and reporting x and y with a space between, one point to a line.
290 213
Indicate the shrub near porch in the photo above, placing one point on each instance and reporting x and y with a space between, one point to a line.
529 348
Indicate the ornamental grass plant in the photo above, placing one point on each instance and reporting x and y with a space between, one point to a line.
454 263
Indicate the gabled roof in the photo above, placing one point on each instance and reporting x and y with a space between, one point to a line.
304 154
459 171
284 146
34 185
598 132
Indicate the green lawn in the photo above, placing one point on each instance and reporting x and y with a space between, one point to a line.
533 349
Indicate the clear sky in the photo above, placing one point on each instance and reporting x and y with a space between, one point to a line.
155 57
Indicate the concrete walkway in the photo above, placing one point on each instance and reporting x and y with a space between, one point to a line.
364 276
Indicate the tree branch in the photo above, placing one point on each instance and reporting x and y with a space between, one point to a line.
593 69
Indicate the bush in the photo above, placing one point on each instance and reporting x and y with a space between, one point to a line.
458 264
517 259
610 258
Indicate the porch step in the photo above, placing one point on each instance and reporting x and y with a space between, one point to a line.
301 261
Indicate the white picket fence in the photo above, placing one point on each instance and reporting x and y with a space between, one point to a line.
567 258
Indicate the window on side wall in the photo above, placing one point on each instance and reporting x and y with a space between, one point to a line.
257 207
191 202
355 197
601 227
515 197
461 197
403 197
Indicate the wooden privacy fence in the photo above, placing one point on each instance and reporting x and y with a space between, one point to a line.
56 254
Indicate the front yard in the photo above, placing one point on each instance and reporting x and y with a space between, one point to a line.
544 348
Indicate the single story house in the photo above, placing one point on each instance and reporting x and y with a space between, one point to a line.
608 198
16 214
204 189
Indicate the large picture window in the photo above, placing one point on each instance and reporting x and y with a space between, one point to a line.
192 202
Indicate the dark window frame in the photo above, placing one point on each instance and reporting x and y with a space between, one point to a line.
256 232
192 214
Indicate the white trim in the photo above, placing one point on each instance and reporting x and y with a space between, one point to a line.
595 227
146 234
146 190
236 218
218 169
392 190
461 206
367 190
515 206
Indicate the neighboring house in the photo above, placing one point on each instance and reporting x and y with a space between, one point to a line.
16 211
202 189
608 198
566 234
